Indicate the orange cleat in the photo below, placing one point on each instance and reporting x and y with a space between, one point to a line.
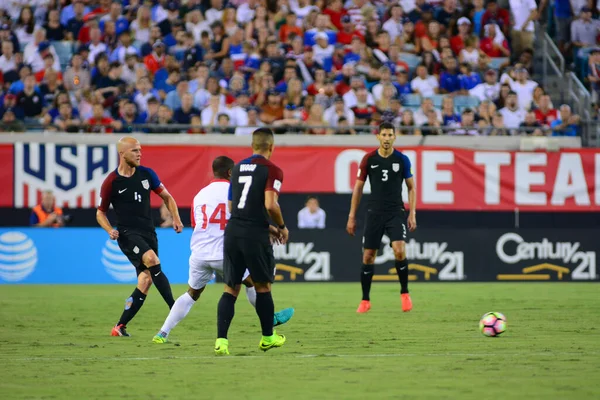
406 302
119 330
364 306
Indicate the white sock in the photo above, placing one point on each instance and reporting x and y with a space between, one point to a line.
251 294
180 309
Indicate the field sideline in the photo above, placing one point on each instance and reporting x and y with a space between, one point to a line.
56 344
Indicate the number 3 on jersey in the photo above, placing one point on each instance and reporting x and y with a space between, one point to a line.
219 216
247 181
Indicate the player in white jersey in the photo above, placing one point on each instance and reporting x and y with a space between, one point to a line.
209 218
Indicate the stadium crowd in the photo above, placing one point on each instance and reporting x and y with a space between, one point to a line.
301 66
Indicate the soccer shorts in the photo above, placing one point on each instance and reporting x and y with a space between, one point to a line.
203 271
252 253
134 244
394 225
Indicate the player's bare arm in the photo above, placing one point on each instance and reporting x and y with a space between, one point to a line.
105 224
172 207
272 206
354 203
412 204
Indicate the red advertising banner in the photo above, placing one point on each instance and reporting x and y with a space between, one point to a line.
447 178
6 175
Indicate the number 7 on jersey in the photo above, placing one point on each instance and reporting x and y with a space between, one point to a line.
247 181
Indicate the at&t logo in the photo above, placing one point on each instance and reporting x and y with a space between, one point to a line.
116 264
18 256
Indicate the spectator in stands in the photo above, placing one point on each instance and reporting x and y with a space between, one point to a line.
407 124
95 45
115 16
512 113
142 24
311 216
183 115
47 213
422 114
504 91
524 88
156 60
449 116
424 84
166 219
498 127
130 117
432 125
76 78
75 19
8 60
54 29
223 125
25 26
500 16
209 114
467 124
494 43
476 15
530 126
458 42
485 113
100 123
567 124
449 79
30 100
393 26
584 31
523 13
545 114
470 53
66 121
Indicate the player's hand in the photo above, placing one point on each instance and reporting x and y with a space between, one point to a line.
178 226
284 235
274 238
114 234
412 222
351 226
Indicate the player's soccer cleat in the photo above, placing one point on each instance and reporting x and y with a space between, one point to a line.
159 338
283 316
222 347
269 342
406 302
119 330
364 306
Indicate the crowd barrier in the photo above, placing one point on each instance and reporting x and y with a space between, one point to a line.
87 256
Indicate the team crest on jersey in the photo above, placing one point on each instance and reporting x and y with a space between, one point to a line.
146 184
396 167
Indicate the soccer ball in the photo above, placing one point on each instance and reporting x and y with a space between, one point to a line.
492 324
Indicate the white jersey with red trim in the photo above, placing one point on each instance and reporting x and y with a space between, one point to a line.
209 219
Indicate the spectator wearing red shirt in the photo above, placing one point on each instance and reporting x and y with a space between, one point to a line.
100 123
48 65
494 43
421 27
457 43
155 60
336 12
348 31
497 14
545 115
289 27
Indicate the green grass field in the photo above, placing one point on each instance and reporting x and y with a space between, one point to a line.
56 345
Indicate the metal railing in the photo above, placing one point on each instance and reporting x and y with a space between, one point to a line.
581 100
554 62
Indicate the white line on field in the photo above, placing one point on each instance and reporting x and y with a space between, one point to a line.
324 355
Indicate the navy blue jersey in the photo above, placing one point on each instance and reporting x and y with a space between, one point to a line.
250 179
130 197
386 176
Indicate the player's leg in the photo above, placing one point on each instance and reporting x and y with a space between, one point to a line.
281 317
233 271
133 302
396 230
371 241
152 262
201 272
261 264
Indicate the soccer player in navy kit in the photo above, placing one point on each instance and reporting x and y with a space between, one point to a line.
387 169
253 194
128 190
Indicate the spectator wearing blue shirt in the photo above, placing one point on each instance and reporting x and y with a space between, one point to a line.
468 79
449 115
403 84
115 15
449 80
183 115
567 125
562 17
320 26
170 84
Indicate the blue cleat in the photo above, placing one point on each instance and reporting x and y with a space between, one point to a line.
283 316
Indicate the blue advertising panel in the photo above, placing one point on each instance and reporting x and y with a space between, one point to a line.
82 255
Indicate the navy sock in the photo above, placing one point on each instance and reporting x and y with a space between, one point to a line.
265 310
402 271
162 284
225 313
366 277
132 306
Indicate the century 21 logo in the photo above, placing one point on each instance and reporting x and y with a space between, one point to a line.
566 252
434 252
